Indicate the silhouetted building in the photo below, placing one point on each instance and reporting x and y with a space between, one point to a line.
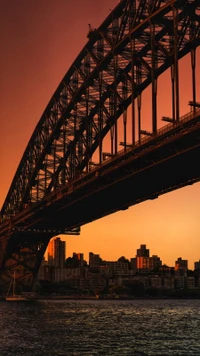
154 262
80 258
190 282
142 251
164 269
197 265
94 260
143 262
133 263
118 268
181 267
56 252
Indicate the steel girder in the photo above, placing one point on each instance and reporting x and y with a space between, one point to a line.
21 252
135 44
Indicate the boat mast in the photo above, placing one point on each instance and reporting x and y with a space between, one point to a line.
13 283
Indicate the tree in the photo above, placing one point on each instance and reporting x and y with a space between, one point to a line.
119 289
136 288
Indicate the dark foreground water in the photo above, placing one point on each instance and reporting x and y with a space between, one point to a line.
80 328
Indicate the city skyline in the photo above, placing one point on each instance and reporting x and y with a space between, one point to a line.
75 253
38 48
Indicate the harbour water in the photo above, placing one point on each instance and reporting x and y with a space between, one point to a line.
100 327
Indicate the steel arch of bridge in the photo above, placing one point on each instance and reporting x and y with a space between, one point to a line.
135 44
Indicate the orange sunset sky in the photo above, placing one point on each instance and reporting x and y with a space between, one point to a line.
39 41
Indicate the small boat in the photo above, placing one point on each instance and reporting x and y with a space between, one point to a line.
14 297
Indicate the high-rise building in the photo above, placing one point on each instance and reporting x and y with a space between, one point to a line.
181 263
155 262
142 264
142 251
145 263
181 267
94 260
197 265
56 252
79 257
133 263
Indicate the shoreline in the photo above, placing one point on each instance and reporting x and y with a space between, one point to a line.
108 298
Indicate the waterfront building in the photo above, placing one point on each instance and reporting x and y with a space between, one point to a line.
80 258
166 270
142 251
80 272
179 282
156 282
142 259
197 265
168 282
97 283
48 273
154 262
190 282
181 267
94 260
118 268
56 252
143 262
133 263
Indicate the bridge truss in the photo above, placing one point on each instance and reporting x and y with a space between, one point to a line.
79 130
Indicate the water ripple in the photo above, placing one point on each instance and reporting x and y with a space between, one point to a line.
97 328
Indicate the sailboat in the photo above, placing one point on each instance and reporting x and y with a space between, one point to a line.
14 297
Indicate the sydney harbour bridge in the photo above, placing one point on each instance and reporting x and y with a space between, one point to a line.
90 154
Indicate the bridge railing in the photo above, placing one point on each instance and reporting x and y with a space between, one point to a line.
84 178
94 172
160 132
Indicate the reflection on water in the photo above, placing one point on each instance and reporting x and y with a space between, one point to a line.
80 328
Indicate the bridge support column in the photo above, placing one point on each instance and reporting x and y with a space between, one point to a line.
153 78
139 99
124 93
115 59
22 255
133 88
175 68
193 64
